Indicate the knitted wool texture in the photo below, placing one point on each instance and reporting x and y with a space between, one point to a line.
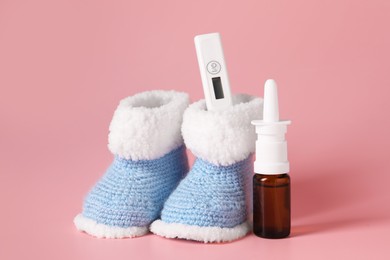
149 161
132 193
210 195
209 205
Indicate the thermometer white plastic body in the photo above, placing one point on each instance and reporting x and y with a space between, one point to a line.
213 71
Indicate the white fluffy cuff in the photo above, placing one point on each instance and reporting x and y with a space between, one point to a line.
222 137
147 125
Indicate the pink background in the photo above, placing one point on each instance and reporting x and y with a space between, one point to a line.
64 65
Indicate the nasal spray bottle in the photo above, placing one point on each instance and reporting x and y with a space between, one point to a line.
271 182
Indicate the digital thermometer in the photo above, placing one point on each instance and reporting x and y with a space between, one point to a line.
213 71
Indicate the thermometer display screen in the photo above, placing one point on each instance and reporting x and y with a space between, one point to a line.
218 91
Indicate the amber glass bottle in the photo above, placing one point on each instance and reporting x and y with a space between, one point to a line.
271 205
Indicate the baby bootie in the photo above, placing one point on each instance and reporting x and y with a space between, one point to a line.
149 161
209 204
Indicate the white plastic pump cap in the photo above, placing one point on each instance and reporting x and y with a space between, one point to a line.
271 146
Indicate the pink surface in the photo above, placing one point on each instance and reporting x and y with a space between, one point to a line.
64 65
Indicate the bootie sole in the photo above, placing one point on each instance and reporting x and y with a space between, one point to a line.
98 230
198 233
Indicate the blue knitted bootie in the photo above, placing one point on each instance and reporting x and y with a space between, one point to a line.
210 205
149 161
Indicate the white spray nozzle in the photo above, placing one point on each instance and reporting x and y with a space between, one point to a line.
271 146
271 104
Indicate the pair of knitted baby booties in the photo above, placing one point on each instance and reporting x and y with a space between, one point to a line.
148 186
